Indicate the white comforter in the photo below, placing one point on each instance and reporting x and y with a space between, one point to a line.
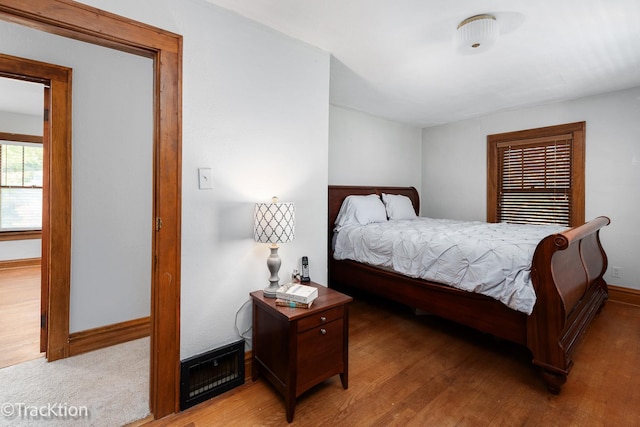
491 259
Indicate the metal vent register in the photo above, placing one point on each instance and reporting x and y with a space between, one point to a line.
211 373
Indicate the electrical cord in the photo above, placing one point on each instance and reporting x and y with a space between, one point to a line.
242 334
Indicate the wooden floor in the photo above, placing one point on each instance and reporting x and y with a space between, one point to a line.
424 371
19 315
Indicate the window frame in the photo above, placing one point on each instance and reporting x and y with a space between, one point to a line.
577 132
20 234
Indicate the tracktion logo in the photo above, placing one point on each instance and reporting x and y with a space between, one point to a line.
49 411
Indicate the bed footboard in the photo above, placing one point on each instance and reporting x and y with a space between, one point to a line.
567 273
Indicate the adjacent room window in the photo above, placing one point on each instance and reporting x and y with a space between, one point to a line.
20 186
536 176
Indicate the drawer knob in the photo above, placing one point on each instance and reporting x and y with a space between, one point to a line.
323 331
323 319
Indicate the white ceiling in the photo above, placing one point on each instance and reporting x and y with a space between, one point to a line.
396 58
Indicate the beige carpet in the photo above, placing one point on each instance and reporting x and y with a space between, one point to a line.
108 387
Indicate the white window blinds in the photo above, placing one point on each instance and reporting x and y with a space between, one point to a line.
20 186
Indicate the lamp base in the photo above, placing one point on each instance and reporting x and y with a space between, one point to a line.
273 263
269 292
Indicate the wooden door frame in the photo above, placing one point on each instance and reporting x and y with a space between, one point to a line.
56 144
85 23
45 239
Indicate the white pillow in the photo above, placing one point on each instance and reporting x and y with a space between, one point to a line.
398 206
360 210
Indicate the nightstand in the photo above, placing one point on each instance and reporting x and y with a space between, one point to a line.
297 348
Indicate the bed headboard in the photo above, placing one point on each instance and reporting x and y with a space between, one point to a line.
337 194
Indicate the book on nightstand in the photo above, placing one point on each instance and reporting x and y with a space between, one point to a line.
297 292
292 304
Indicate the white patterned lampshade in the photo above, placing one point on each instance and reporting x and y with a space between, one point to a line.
274 222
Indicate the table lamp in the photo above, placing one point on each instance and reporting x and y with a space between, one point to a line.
274 223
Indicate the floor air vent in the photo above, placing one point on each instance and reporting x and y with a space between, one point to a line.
211 373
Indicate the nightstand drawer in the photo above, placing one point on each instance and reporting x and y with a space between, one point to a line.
320 354
320 318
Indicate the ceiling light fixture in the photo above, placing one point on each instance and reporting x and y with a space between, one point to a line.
477 33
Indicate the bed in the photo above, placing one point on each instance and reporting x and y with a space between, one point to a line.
566 272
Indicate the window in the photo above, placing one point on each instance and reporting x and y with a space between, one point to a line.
536 176
20 185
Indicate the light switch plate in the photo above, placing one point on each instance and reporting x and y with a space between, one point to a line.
205 179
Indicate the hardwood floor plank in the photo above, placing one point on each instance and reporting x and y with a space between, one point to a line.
408 370
19 315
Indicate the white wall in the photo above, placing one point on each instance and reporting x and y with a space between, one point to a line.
27 125
454 168
20 249
20 123
368 150
111 175
255 111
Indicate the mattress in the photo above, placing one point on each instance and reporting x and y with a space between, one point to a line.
493 259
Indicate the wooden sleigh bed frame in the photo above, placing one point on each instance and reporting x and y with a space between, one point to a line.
567 273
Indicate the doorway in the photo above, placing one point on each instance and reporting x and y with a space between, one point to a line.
21 173
56 199
89 24
110 251
43 75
